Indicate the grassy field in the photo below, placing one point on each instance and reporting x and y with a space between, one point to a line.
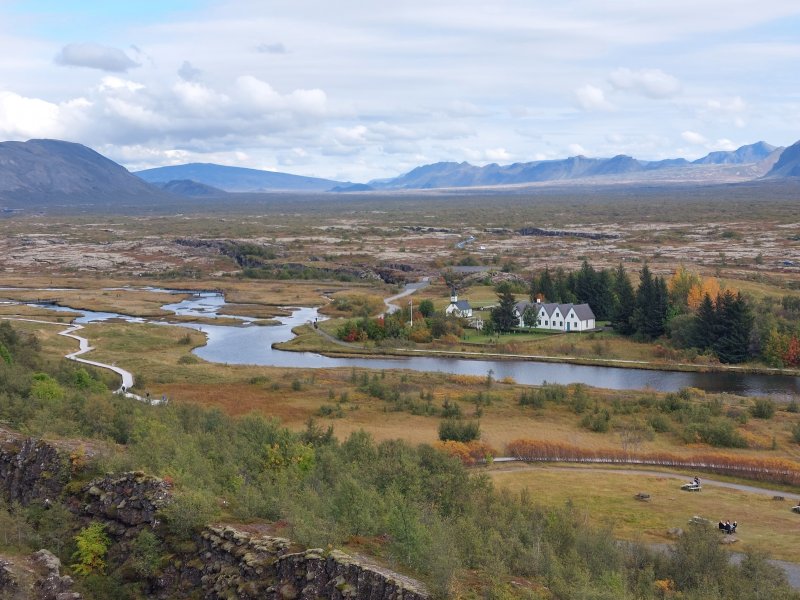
161 360
607 498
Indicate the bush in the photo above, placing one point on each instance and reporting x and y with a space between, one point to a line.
451 410
717 432
659 423
796 433
92 543
45 387
580 399
531 398
599 422
188 359
763 408
459 431
145 554
188 513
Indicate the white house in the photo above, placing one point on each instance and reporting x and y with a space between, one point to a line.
560 317
459 308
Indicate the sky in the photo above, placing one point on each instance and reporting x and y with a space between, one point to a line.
355 90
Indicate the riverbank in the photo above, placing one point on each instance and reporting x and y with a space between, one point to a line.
301 343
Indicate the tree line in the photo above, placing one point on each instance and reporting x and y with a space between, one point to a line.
692 311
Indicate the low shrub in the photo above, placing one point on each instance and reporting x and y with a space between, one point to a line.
459 431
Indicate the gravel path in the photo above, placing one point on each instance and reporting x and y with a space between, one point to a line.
407 291
704 480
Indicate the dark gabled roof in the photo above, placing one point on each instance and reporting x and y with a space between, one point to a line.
549 308
583 312
522 306
463 305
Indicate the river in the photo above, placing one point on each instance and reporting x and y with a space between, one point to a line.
252 345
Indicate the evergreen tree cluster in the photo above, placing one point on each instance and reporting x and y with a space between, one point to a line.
722 325
610 294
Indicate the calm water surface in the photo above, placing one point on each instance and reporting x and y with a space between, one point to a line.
252 345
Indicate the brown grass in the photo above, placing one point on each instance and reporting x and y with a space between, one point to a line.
607 498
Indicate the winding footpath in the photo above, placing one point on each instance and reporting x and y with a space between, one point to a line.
409 289
83 347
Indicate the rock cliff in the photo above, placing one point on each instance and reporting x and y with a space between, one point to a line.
221 561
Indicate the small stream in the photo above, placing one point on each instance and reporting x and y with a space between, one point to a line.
252 345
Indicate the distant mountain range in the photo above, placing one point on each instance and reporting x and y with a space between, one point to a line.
450 174
237 179
43 172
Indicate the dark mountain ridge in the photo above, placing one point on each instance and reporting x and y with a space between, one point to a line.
53 170
187 187
237 179
745 154
788 165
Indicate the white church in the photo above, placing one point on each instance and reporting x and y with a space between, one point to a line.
458 308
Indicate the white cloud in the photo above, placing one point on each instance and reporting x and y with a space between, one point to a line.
488 155
198 98
135 114
22 117
693 137
576 150
590 97
95 56
498 154
110 82
727 105
350 136
725 144
652 83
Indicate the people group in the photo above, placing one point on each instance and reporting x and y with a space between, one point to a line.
727 526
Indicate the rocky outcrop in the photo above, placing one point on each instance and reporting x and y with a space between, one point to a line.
336 575
127 501
52 585
8 581
31 470
558 233
221 562
234 564
36 577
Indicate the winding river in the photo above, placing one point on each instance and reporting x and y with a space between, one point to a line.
252 345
